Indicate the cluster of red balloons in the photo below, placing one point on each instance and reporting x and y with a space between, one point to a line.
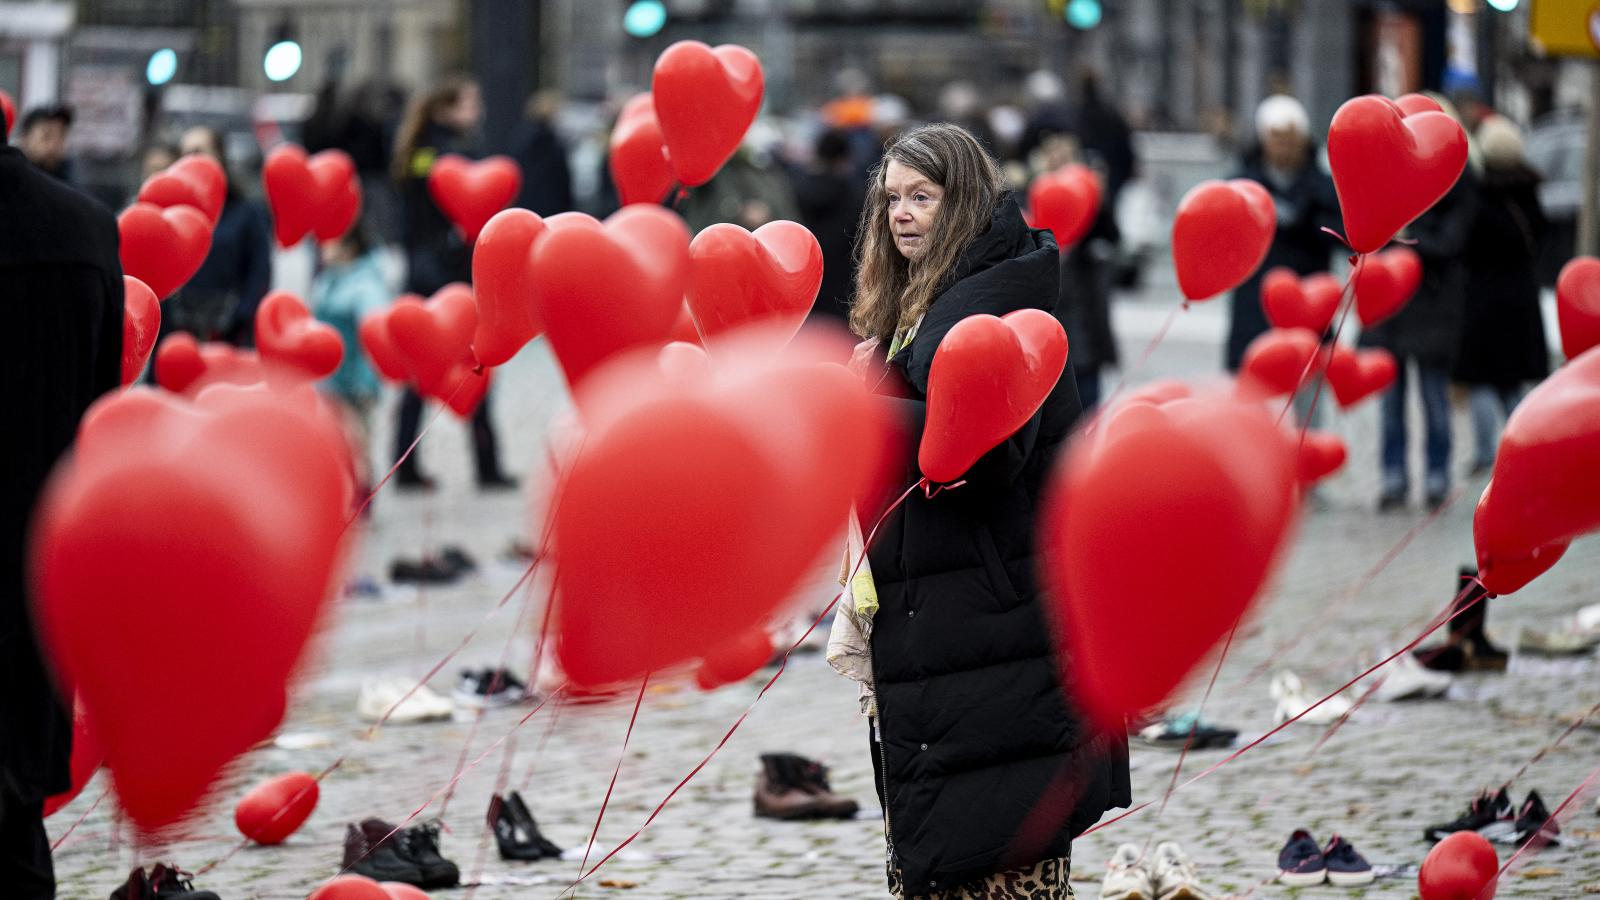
428 344
319 194
166 233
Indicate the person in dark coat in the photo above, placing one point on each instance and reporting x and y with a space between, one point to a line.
539 150
1084 306
1284 163
219 302
1427 332
985 769
830 199
1502 338
439 122
61 290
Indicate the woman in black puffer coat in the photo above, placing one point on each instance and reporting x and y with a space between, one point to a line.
985 769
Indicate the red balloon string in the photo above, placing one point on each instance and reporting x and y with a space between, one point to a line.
622 755
403 457
1545 750
1319 361
74 826
1149 349
1200 710
538 753
1341 239
1539 840
931 490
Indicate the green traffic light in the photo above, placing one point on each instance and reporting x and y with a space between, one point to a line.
1083 14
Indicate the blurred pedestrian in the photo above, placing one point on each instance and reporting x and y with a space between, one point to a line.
1502 338
537 147
968 798
348 287
1284 162
61 294
443 120
43 139
220 301
1426 332
830 199
1104 136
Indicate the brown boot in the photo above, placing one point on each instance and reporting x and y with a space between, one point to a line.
793 787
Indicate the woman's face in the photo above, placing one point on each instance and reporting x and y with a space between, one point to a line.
913 202
467 113
199 141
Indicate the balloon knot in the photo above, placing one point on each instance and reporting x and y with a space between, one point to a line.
478 369
1337 236
931 490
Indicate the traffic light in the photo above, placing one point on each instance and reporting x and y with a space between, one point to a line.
1083 14
163 65
283 58
644 18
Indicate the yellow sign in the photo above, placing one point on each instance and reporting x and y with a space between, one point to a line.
1566 27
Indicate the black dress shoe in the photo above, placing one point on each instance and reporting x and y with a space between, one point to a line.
520 810
422 847
371 850
515 831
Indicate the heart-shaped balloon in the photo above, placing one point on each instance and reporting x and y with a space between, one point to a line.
276 808
737 277
735 660
214 525
1578 305
185 366
1321 454
1221 234
376 341
1385 282
86 760
141 323
1415 103
1390 166
1277 362
287 333
195 180
401 891
320 194
1508 571
1065 201
470 193
639 164
338 194
434 335
604 289
1294 302
705 100
684 330
1162 524
1463 866
503 285
163 247
1356 375
989 376
353 887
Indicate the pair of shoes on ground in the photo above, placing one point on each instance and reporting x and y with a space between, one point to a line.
162 883
1168 875
1395 501
1303 862
1294 700
1493 816
1176 731
380 695
409 479
489 689
444 568
516 832
793 787
411 856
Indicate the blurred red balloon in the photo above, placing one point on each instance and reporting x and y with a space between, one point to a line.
1506 572
1065 201
1321 454
1578 305
399 891
639 164
215 526
86 759
1221 234
319 194
185 366
503 285
735 660
737 277
379 345
286 333
1294 302
989 376
1356 375
684 330
606 288
705 100
163 247
276 808
429 344
1389 165
1277 362
195 180
1463 866
355 887
470 193
1385 282
141 323
338 194
1415 103
8 111
1161 526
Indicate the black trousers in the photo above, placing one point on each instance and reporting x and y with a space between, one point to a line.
485 446
25 869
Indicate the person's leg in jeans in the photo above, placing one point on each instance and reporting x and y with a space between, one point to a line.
1485 404
25 868
408 422
1395 483
486 449
1435 385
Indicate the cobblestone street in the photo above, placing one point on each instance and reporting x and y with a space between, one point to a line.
1390 771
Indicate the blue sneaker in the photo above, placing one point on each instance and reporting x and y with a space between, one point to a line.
1346 867
1300 863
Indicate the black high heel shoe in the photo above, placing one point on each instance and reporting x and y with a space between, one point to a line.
520 810
515 831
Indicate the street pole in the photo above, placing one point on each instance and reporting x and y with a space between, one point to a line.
1589 212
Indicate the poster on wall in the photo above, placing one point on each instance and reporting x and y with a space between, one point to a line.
106 110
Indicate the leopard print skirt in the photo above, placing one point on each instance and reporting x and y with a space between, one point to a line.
1044 880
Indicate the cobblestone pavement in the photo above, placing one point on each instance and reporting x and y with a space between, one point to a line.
1392 769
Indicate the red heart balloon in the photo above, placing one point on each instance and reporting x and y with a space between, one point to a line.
1356 375
684 330
291 192
470 193
141 323
1065 201
1415 103
1385 282
433 336
286 333
354 887
465 386
1277 362
185 366
705 100
607 289
737 277
503 285
163 247
376 340
85 761
194 180
1463 866
989 376
398 891
1389 166
1321 455
1221 234
1161 525
338 193
735 660
639 164
1294 302
1502 571
1578 305
276 808
160 530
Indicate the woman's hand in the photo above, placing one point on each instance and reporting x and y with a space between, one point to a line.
863 357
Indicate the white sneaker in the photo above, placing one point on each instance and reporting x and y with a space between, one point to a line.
1293 700
1406 679
1174 875
1126 877
378 695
